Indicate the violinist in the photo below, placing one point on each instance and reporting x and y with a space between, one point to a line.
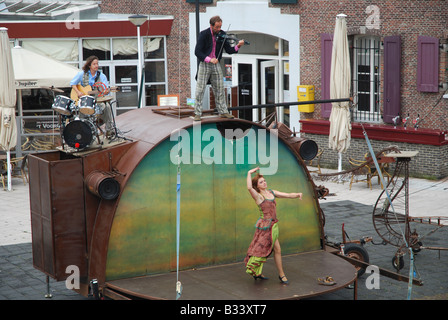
209 50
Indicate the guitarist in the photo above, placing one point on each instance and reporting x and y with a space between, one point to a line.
88 77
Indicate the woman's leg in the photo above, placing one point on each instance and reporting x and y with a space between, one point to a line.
278 260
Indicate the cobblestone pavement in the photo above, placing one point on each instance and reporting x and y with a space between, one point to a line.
19 280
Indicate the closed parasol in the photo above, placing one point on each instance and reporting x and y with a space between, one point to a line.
8 128
340 79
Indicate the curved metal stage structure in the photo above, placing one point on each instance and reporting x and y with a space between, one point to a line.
111 212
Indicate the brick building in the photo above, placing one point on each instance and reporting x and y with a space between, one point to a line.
410 37
290 46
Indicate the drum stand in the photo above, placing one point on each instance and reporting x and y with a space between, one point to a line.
106 100
113 122
61 130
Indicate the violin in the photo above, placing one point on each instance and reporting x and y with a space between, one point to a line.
224 36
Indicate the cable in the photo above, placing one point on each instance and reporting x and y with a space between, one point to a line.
430 111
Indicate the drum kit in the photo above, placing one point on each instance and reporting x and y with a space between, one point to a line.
80 121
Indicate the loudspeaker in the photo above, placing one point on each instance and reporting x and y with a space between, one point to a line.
103 185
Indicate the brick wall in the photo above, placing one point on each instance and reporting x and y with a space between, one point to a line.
409 19
177 43
431 161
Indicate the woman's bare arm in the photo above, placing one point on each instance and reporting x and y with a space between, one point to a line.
279 194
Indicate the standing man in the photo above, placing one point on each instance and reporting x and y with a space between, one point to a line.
209 52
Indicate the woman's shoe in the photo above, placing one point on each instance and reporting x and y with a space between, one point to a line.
261 277
283 281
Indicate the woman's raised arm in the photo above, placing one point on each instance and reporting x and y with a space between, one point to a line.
251 190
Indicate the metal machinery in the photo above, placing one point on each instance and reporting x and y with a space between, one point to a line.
391 214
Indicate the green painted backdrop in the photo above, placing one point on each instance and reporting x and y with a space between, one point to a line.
217 212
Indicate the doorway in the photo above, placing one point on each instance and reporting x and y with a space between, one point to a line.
269 87
258 83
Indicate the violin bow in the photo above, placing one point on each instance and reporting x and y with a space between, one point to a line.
222 45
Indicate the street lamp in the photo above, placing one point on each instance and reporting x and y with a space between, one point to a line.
138 20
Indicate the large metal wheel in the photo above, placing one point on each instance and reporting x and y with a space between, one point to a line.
391 220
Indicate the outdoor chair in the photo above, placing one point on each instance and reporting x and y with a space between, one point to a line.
14 162
383 163
362 171
3 173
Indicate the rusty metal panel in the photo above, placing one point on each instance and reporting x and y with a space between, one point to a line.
104 160
57 213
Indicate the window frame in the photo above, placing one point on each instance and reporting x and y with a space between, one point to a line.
367 47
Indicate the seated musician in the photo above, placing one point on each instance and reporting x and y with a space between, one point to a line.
88 77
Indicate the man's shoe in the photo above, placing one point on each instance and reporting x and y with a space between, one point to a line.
197 118
226 115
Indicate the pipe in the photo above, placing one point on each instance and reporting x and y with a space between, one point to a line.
294 103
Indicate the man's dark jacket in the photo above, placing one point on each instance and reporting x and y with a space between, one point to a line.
205 45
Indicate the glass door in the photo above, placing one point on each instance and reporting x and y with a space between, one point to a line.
269 86
245 78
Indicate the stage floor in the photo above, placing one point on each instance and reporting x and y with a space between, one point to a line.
230 282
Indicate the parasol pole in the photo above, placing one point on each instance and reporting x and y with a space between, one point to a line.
8 164
340 164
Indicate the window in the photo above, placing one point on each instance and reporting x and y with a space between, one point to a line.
366 78
119 62
96 47
61 50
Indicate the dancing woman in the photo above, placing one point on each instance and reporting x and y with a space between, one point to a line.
266 229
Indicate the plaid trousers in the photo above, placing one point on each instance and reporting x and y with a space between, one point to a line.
213 72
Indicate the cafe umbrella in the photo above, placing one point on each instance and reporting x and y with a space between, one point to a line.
340 78
8 128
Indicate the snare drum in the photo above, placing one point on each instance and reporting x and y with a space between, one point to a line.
63 105
87 105
79 133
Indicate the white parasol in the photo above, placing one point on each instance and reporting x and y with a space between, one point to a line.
8 128
340 79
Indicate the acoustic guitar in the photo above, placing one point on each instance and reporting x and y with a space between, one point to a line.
84 89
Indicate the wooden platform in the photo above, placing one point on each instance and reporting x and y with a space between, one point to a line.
230 282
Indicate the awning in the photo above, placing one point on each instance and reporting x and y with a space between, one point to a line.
32 70
47 9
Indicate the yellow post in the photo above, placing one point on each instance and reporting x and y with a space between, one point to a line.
306 93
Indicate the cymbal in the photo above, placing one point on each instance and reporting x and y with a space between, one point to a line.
104 99
53 89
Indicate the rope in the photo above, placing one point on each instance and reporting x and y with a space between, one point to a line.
178 184
178 283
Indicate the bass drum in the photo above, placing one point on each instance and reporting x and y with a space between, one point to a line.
79 133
